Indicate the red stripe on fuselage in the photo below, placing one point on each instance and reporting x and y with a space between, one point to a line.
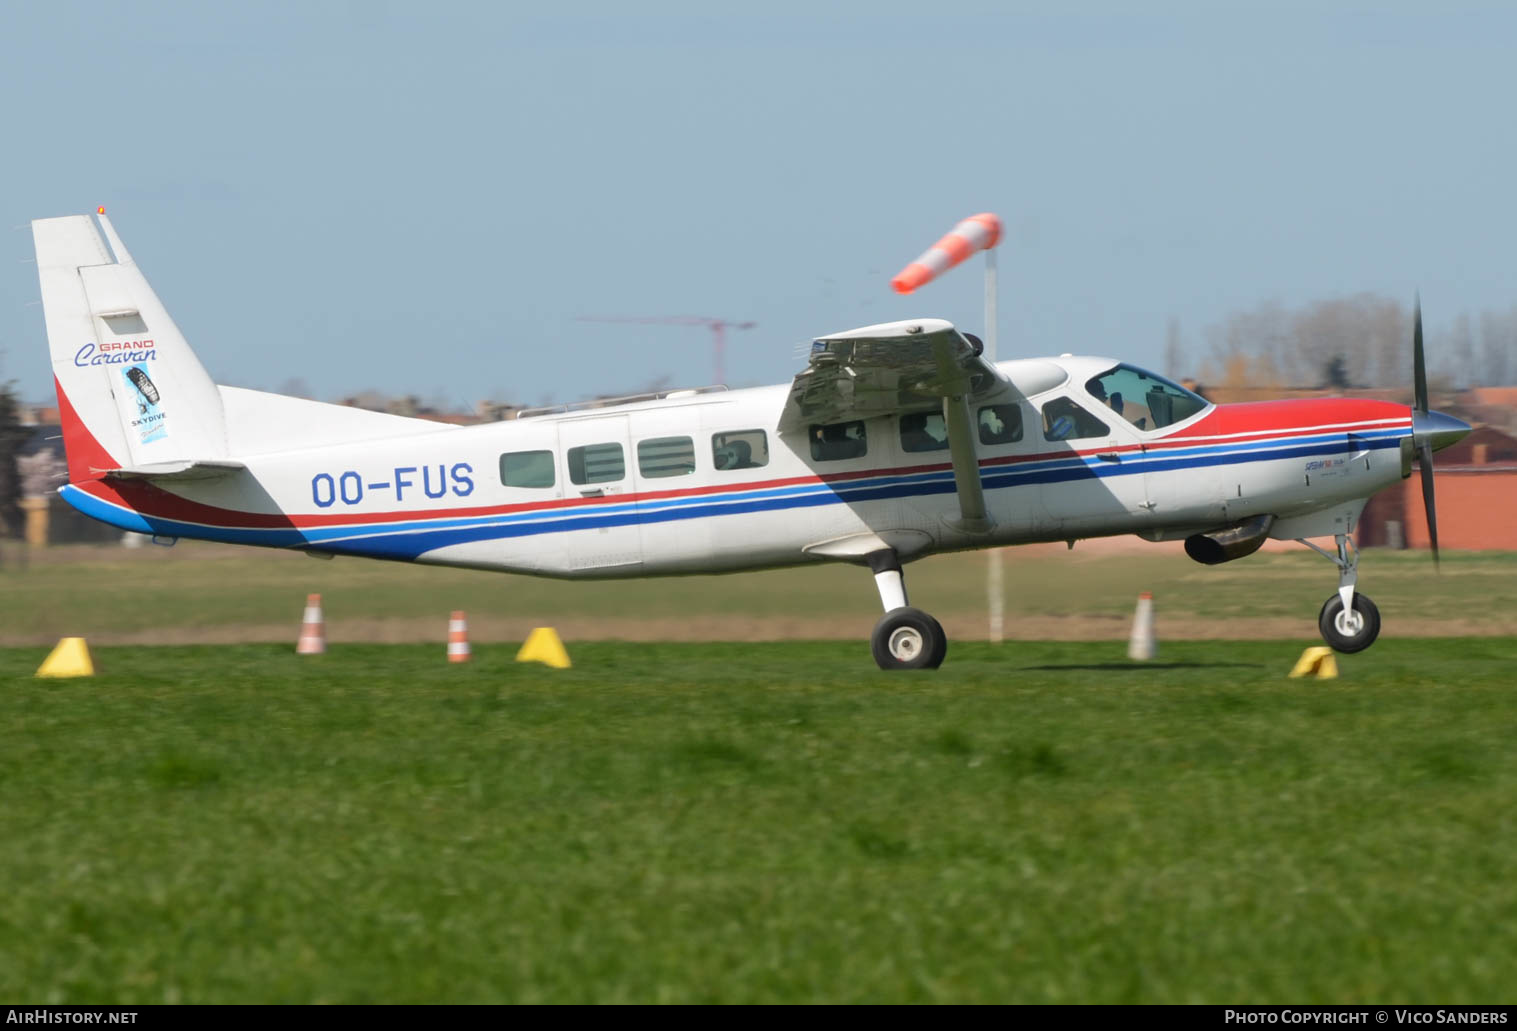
1279 418
1225 424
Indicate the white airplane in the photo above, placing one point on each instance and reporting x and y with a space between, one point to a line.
896 442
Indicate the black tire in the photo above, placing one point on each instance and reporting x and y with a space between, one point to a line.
908 639
1345 639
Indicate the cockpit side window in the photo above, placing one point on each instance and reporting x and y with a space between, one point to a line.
1147 400
1065 420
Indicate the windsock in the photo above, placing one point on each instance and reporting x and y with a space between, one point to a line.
975 233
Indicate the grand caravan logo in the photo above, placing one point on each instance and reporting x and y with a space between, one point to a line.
115 352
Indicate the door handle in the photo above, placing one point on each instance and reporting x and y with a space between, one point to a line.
1109 456
598 492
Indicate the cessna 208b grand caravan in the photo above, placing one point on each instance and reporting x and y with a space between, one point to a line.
897 441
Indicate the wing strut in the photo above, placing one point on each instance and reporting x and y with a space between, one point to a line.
973 515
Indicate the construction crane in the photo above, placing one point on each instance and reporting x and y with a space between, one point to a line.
718 329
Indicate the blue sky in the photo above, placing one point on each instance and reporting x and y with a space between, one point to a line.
428 198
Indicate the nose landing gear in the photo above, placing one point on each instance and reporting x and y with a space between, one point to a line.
1349 630
1349 621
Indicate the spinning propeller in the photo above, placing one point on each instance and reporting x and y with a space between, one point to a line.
1431 431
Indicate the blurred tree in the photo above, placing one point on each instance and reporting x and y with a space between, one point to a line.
1174 350
1498 349
1335 373
1241 341
1353 342
1462 350
1367 336
12 433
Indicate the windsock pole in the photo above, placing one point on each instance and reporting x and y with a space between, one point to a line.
976 233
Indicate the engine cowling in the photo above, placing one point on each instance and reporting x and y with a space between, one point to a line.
1223 545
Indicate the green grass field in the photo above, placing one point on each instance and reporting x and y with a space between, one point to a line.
193 594
1043 822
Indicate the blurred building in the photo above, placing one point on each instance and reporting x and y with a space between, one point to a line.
50 519
1477 493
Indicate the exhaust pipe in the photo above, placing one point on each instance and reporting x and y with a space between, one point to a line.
1230 542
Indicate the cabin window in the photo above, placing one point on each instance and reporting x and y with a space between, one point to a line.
1147 400
527 469
924 431
596 463
740 449
1065 420
666 456
1000 424
837 441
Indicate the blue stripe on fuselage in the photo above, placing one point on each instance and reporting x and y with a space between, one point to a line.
410 539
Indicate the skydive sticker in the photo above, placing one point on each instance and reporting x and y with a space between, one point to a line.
150 421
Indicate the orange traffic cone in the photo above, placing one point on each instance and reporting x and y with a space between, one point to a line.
458 638
313 633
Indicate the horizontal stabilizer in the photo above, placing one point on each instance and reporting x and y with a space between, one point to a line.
187 469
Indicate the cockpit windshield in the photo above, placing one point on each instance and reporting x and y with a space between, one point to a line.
1147 400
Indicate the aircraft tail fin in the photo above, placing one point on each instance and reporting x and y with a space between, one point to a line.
131 393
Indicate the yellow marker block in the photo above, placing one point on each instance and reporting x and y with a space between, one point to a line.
542 645
1316 662
70 659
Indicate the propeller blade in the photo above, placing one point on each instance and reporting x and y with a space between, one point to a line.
1419 365
1425 459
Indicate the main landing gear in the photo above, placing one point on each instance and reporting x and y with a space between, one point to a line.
904 638
1349 621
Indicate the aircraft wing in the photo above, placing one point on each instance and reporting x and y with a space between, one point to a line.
893 367
898 367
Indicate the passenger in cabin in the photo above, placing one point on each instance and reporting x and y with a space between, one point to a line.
735 454
837 441
923 431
